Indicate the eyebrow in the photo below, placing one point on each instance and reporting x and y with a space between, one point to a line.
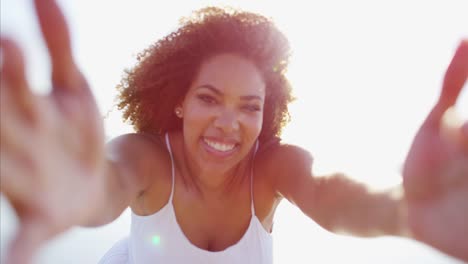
218 92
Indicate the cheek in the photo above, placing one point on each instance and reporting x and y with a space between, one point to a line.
253 124
196 116
196 120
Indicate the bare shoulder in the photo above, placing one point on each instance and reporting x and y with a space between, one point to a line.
279 158
139 157
136 143
285 166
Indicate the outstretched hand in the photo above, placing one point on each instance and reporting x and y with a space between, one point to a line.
52 146
436 170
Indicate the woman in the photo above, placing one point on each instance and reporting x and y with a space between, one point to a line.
206 170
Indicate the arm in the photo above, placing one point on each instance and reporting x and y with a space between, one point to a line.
55 170
346 206
127 174
334 201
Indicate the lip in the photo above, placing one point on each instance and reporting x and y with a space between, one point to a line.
218 153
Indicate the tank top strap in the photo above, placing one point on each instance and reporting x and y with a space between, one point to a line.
168 145
252 206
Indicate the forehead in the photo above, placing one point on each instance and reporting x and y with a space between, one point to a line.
232 74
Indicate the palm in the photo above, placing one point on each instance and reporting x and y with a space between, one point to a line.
52 146
436 171
65 160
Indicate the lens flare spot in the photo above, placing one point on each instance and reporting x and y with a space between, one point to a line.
156 240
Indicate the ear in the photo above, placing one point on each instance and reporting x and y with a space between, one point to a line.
178 111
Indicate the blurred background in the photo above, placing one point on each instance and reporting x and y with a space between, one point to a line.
365 74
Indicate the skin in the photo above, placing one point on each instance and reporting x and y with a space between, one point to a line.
223 105
69 156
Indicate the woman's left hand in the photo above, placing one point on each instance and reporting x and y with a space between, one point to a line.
436 170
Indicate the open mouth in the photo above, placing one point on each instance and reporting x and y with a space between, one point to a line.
219 147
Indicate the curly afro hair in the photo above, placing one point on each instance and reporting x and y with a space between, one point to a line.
149 92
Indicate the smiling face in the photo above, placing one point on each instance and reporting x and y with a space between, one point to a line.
222 113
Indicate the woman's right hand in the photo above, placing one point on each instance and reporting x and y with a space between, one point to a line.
52 146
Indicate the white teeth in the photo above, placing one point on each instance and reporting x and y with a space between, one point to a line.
219 146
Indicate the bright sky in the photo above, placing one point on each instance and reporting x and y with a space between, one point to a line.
365 74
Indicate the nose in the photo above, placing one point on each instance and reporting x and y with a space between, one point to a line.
227 121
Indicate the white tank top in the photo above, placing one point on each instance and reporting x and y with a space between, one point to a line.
158 238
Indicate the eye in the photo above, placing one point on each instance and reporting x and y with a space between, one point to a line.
252 108
207 98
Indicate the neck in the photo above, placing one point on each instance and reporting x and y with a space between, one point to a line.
209 184
216 185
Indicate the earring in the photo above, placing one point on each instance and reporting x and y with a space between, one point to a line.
178 112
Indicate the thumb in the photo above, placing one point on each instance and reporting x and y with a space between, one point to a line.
31 235
455 78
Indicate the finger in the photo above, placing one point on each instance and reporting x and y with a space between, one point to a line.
65 74
13 125
455 78
15 138
16 183
14 77
15 165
